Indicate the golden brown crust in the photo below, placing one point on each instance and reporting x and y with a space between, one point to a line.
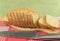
22 17
24 28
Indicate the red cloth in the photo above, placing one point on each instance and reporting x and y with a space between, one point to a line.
17 39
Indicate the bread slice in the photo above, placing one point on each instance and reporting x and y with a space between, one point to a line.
52 21
23 17
48 22
43 24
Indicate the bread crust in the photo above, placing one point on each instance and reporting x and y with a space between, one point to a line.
23 17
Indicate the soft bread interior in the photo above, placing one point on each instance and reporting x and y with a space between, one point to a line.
48 23
43 24
35 17
42 21
52 21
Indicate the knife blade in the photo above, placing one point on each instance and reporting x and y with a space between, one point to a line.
22 34
28 34
51 36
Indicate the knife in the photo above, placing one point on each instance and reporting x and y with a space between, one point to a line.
28 34
49 36
22 34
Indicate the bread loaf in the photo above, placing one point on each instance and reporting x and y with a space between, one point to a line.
23 17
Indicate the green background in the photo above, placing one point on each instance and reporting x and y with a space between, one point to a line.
51 7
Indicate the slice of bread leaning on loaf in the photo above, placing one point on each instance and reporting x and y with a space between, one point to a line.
48 22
